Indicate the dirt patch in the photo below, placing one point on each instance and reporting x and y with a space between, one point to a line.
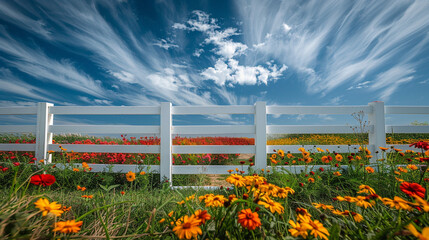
217 180
245 156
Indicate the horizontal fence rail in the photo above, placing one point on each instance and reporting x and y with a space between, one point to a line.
45 128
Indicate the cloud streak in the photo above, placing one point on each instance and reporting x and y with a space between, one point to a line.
330 49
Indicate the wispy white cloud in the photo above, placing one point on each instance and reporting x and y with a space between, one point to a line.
392 79
13 15
13 85
34 62
345 47
165 44
135 67
360 85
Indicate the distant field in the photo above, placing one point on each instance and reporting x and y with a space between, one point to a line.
287 139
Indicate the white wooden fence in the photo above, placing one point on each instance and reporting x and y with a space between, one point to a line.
45 128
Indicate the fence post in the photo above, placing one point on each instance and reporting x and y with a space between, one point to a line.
261 135
43 136
166 143
376 117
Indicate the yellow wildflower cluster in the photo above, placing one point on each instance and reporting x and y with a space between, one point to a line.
305 225
53 208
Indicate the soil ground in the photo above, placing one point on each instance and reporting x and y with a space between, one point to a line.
219 179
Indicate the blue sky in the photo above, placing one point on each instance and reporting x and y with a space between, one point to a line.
214 52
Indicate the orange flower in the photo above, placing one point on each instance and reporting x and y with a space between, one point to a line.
87 196
325 159
85 165
248 219
81 188
49 207
202 215
412 167
338 157
68 226
187 228
369 169
337 173
130 176
311 180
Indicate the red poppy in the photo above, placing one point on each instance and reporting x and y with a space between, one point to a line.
43 179
413 189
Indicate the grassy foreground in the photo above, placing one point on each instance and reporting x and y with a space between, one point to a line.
348 200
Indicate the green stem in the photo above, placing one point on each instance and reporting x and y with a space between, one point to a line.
99 208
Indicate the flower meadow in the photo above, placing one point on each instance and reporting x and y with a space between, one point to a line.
348 198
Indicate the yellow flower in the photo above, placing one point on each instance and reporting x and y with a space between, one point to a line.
366 189
236 180
281 153
323 206
316 229
188 228
130 176
397 203
274 156
192 197
361 201
283 192
46 207
273 206
356 216
399 180
297 230
422 236
68 226
269 188
215 201
421 203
